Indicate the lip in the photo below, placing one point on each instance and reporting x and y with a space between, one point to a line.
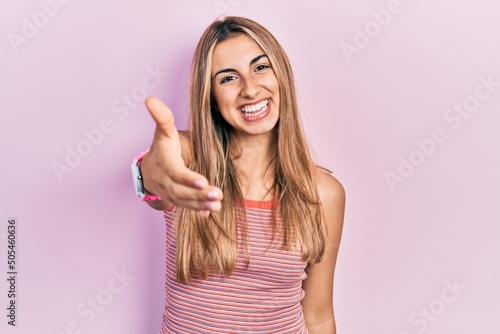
256 118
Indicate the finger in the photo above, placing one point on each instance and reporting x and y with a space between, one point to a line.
199 205
209 199
163 117
192 198
186 177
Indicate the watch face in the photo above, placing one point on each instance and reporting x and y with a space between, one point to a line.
137 178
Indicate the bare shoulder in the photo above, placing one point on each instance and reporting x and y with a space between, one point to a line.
332 197
331 191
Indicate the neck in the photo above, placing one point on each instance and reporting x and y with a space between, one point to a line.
252 158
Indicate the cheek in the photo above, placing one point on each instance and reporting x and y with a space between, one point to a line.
225 96
271 83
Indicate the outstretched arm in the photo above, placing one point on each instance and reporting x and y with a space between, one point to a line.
164 169
318 286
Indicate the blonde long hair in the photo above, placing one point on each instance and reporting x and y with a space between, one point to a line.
209 245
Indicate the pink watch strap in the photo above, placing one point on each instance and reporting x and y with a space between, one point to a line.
151 198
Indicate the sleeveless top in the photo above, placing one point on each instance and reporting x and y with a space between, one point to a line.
261 298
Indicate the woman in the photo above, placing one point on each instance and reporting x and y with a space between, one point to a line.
253 225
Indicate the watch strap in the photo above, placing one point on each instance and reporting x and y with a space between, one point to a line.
137 178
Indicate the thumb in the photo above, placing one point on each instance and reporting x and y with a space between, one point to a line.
163 117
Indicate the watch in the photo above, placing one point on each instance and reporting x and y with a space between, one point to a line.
137 178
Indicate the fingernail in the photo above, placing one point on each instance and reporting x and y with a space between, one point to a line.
210 206
212 194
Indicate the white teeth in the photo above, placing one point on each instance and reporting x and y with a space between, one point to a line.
256 109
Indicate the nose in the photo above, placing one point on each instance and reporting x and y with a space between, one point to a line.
250 88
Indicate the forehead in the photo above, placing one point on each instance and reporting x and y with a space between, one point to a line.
235 52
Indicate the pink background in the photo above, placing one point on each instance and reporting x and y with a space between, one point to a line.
364 111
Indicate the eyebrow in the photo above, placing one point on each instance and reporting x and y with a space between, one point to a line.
253 61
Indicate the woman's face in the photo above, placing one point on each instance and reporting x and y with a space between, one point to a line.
245 87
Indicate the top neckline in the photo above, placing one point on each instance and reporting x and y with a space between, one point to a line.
250 203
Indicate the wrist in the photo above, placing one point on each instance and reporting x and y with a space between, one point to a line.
141 192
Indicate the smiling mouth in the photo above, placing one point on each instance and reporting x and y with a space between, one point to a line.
254 110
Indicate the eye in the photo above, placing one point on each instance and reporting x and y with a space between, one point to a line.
262 67
227 79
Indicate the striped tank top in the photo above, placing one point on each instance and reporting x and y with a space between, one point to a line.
261 298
